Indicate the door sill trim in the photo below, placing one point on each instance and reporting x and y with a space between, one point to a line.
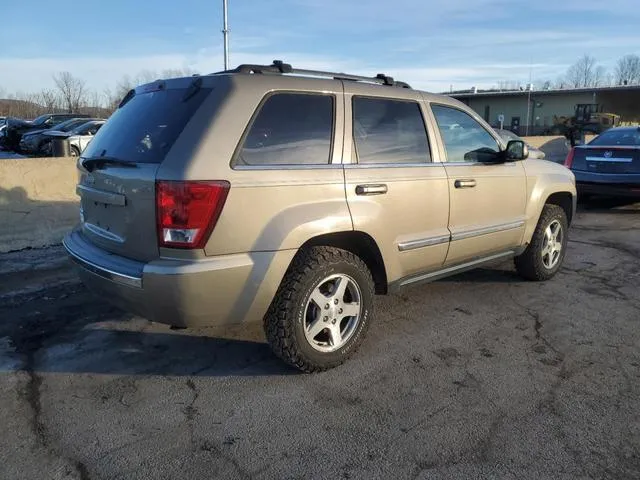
448 271
423 242
476 232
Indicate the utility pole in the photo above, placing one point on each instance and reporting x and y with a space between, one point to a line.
529 87
528 109
225 34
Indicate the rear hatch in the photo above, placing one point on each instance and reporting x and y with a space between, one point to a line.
117 171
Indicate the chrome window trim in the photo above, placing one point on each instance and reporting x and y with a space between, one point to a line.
103 272
392 165
483 164
476 232
290 166
423 242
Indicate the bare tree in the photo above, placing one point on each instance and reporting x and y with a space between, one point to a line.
177 72
508 85
584 73
111 99
49 99
72 90
628 70
600 77
125 84
23 105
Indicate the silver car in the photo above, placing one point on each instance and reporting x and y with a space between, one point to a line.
78 138
508 135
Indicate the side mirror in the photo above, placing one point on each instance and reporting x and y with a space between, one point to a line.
516 150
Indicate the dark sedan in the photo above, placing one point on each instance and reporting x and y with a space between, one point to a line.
32 142
609 164
16 127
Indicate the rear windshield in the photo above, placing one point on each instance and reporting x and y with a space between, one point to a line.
610 138
144 129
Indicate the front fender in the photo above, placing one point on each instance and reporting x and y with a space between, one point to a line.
545 179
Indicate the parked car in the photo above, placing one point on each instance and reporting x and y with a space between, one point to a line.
78 138
609 164
3 128
16 127
262 193
34 141
508 135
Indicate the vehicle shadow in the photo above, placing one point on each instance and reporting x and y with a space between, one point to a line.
602 204
498 274
124 352
67 329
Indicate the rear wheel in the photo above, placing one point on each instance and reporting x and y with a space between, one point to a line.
75 151
322 309
544 256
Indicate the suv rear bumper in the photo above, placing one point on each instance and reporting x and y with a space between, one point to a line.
221 290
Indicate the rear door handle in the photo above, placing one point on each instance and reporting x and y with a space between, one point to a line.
469 183
380 189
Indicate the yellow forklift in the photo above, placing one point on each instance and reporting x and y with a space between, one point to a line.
589 118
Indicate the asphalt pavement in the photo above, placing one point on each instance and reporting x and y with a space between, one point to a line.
482 375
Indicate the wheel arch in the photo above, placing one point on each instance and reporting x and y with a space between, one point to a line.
360 244
565 200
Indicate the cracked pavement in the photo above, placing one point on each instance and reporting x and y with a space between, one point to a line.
477 376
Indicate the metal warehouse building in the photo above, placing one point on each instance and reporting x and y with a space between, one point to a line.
532 111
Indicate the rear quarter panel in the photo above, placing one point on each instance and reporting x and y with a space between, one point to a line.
268 208
544 178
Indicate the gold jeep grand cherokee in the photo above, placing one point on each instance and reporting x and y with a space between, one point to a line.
294 196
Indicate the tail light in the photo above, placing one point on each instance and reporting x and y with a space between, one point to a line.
569 160
187 211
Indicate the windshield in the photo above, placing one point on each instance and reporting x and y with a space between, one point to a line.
629 137
144 129
508 135
40 120
69 125
83 128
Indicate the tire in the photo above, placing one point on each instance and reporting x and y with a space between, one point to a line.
534 263
75 151
295 313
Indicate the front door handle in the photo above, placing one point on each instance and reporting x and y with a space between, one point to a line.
378 189
468 183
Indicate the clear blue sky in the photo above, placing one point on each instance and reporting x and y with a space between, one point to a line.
427 43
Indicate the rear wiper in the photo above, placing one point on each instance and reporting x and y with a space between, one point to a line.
90 164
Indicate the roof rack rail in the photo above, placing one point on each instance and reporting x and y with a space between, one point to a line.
279 67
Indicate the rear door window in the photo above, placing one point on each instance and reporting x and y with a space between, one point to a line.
146 127
389 131
290 129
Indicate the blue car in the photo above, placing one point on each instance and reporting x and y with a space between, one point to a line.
608 165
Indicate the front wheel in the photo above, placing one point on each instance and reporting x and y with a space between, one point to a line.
75 151
322 309
544 256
